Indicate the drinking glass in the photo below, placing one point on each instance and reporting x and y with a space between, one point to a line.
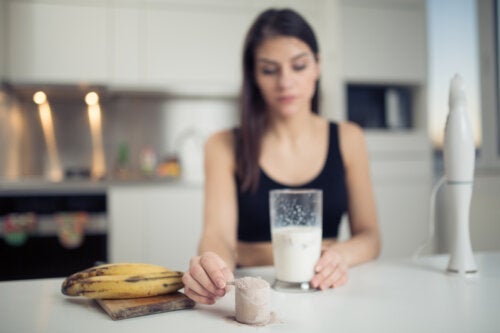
296 232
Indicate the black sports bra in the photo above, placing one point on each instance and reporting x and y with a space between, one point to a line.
253 207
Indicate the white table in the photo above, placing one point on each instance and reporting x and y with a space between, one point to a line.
381 296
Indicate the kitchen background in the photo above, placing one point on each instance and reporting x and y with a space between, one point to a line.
126 171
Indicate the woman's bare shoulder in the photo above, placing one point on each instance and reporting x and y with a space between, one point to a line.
350 131
220 145
352 141
221 139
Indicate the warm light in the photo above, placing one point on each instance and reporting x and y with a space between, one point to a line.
92 98
54 172
39 97
12 113
98 160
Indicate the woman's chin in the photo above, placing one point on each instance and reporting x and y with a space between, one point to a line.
287 111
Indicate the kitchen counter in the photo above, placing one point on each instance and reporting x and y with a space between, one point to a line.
381 296
83 186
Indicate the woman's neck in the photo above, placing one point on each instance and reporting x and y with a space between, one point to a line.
293 129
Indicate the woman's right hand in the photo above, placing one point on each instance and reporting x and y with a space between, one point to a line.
206 278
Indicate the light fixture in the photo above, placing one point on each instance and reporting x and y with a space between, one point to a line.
92 98
39 97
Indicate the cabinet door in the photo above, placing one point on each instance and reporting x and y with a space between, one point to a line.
384 41
127 212
128 66
155 224
403 210
401 169
3 41
174 224
57 42
186 47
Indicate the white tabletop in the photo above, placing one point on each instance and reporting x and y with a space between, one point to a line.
381 296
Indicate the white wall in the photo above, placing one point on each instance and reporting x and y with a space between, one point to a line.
3 38
485 213
489 61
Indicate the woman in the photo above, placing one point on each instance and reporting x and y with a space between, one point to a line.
282 142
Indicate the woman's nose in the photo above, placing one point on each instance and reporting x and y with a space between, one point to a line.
285 79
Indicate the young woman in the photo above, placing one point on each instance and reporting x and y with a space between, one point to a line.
282 142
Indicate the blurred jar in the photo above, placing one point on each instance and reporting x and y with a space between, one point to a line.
170 167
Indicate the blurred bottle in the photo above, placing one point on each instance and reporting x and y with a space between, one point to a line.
148 161
122 165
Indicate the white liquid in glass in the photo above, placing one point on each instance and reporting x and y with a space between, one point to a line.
296 251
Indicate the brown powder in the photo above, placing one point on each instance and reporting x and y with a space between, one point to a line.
273 319
252 301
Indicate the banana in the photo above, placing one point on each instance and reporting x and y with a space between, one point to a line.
119 269
124 286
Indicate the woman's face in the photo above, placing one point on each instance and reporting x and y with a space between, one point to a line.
286 72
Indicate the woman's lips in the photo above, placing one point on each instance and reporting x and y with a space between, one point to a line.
286 99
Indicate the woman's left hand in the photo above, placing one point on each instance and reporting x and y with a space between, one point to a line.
331 270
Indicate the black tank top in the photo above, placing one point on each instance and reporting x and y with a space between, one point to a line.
253 207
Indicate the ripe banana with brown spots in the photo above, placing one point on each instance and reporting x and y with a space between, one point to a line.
125 268
120 281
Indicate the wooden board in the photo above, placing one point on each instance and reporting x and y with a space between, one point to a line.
127 308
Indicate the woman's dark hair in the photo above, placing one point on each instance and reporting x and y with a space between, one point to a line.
254 119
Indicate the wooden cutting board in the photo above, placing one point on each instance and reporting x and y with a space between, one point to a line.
128 308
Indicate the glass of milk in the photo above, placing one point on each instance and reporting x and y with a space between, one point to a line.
296 230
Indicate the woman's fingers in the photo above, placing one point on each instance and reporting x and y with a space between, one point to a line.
206 278
320 276
327 258
202 278
331 271
336 279
213 266
196 287
340 272
342 280
229 276
198 298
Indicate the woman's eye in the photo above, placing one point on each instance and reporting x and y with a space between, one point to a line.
298 68
269 71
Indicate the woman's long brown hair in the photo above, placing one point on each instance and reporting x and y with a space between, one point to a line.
254 117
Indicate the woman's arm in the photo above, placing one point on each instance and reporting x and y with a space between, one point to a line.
364 244
212 268
220 211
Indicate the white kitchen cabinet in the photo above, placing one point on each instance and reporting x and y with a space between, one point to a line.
184 48
155 223
128 60
191 47
57 42
3 41
403 205
384 41
401 170
403 210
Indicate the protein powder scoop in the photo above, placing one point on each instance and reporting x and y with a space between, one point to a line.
252 300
